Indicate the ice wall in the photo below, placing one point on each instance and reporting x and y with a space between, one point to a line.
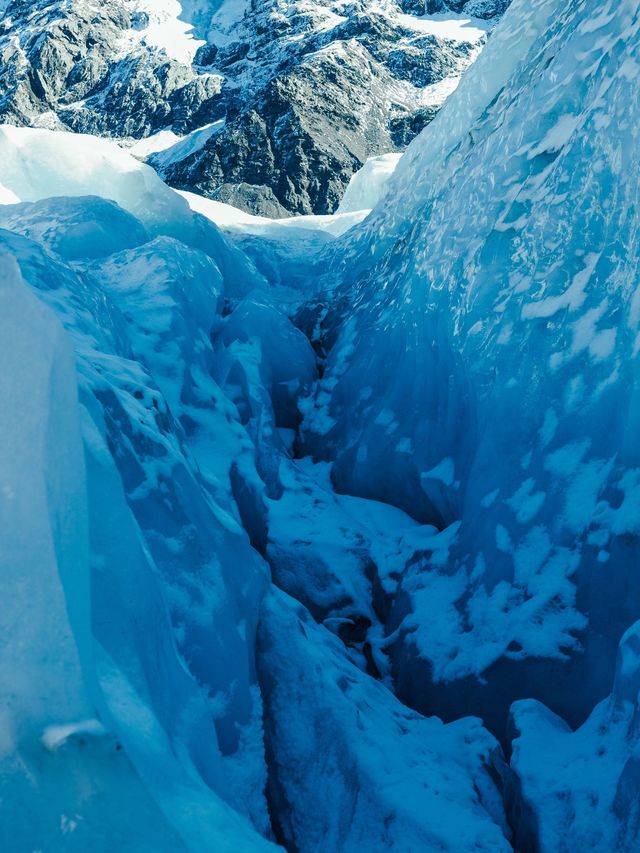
66 781
169 628
177 401
485 375
584 794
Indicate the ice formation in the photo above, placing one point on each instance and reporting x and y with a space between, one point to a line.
491 302
323 532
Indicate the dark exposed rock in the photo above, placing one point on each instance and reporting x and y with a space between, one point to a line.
258 199
476 8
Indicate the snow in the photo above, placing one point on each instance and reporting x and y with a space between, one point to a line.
447 26
7 196
229 13
89 166
174 745
160 141
582 794
367 186
83 165
233 219
183 147
86 789
167 30
318 706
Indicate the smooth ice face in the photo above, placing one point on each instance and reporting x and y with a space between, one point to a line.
44 531
486 380
65 780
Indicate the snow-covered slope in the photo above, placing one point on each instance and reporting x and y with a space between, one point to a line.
270 106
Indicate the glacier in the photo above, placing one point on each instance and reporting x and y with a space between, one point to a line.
178 381
321 532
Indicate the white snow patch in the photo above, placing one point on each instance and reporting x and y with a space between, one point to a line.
448 27
7 196
143 148
230 13
232 218
166 31
185 146
368 186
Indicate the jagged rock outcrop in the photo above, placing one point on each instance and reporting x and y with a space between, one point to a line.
83 66
477 8
330 99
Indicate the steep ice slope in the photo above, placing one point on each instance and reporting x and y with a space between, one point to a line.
485 374
140 491
269 105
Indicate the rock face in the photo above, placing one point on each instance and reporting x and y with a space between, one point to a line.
477 8
84 66
308 90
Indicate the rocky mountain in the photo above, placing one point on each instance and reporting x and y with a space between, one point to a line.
280 101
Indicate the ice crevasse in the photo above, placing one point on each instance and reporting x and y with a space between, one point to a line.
477 408
150 382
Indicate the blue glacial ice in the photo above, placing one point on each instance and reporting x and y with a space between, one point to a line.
177 404
277 499
482 369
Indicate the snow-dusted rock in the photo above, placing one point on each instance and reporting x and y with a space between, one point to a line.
270 106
